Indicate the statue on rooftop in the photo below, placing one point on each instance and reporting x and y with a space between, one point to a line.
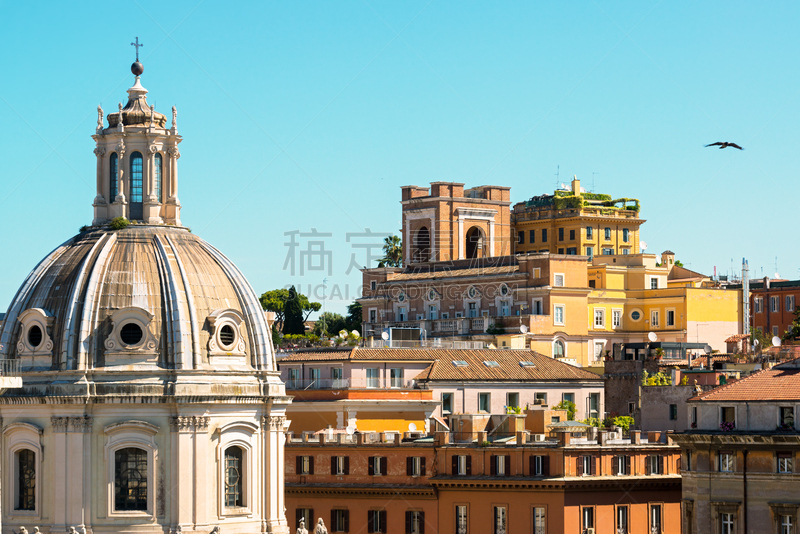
320 528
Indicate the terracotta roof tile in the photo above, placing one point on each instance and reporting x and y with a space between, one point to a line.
766 385
452 273
736 338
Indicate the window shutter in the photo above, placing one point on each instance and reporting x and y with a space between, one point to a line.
421 521
508 465
661 465
469 464
593 464
546 466
579 470
370 520
648 461
615 465
333 520
532 466
384 465
409 468
299 466
493 465
382 520
347 512
346 465
409 519
627 465
454 458
310 518
422 466
298 515
333 465
310 465
371 466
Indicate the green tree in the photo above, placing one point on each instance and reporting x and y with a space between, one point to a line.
764 340
329 324
392 252
793 332
569 406
354 317
275 301
294 322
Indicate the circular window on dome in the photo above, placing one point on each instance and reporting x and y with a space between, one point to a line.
131 334
227 336
35 336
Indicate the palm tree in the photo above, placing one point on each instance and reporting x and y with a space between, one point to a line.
393 252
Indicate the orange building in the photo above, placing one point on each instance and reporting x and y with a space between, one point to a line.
772 305
370 483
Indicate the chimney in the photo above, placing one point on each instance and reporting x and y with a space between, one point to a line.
576 185
668 259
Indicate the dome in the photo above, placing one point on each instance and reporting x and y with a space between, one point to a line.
136 111
145 295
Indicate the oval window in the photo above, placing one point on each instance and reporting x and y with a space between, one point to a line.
401 297
431 295
472 292
226 336
635 315
131 334
35 336
504 290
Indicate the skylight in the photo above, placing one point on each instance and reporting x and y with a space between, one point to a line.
526 363
489 363
459 363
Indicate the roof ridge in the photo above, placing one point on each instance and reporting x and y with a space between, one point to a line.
724 386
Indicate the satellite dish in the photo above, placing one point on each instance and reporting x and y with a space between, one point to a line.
356 333
707 349
652 337
385 336
755 343
412 427
523 329
776 341
350 430
643 245
563 186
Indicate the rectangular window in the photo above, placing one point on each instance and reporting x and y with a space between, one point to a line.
539 521
790 303
787 524
500 467
396 377
532 236
512 399
670 317
462 465
536 307
373 285
415 522
401 313
336 378
608 234
586 465
587 518
626 235
728 415
590 252
340 520
447 403
316 378
623 466
305 465
626 251
631 407
608 252
622 520
758 304
538 466
432 312
415 466
294 379
572 235
373 377
774 304
472 309
558 315
521 237
616 318
377 466
787 416
540 399
655 519
558 280
589 232
654 282
655 464
500 520
598 351
505 308
544 235
726 461
726 523
784 462
673 412
306 514
561 234
654 318
594 404
340 465
560 250
599 318
774 330
461 519
373 316
568 397
484 402
572 251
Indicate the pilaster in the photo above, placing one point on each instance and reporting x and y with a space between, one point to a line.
273 474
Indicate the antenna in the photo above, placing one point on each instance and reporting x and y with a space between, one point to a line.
558 171
593 180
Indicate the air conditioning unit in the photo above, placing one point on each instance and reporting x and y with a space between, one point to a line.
538 437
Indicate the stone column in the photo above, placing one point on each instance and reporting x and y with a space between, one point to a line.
100 205
406 241
203 472
182 496
461 239
433 239
78 465
61 487
490 249
273 473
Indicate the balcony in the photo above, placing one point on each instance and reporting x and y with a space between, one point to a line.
348 383
9 374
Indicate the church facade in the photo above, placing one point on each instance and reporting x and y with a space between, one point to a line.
151 400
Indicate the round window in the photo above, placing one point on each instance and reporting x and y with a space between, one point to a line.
504 290
35 336
131 334
227 336
401 297
635 315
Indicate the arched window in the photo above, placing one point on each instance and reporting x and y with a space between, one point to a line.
422 245
113 177
558 349
158 176
136 186
130 479
233 476
475 243
26 480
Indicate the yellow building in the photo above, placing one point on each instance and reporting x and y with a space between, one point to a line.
576 222
633 295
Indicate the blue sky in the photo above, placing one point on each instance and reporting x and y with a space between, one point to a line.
311 116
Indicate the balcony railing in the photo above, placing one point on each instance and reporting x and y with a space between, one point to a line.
349 383
434 343
9 367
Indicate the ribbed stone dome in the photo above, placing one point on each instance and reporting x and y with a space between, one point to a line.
154 296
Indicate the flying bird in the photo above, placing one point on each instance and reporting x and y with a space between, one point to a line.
725 145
